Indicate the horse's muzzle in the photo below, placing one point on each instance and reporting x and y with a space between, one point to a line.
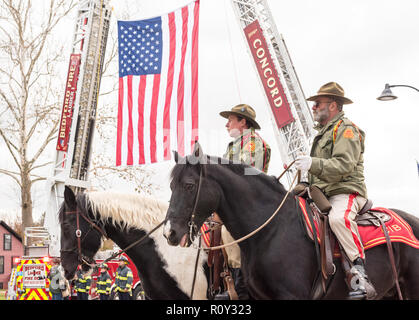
172 236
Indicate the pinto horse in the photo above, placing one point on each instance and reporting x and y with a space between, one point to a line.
166 272
279 261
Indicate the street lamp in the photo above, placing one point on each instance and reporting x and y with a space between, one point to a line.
387 95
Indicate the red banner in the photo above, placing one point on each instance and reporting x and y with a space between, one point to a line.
68 105
268 74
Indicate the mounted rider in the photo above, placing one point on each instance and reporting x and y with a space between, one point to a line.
249 148
336 166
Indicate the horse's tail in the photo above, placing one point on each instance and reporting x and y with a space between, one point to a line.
412 220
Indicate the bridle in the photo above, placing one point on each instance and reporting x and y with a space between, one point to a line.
83 259
193 228
93 226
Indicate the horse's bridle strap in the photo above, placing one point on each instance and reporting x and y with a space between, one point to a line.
79 233
77 212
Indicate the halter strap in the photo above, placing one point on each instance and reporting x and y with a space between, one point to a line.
192 225
78 213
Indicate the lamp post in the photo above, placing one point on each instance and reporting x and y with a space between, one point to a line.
388 95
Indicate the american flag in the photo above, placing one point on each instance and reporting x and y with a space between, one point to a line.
158 86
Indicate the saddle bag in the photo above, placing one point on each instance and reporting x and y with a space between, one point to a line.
315 194
320 199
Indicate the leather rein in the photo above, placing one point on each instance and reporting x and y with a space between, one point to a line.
81 258
93 226
193 227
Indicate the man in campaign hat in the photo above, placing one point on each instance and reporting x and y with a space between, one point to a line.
336 166
248 148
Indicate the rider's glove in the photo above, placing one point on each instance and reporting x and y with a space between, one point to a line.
303 163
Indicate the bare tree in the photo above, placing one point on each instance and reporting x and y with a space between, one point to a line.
29 88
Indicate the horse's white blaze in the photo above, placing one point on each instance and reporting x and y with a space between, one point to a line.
167 229
133 210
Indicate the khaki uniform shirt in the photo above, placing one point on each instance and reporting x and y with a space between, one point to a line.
338 158
250 149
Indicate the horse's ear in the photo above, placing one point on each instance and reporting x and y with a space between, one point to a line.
69 196
178 158
197 150
198 154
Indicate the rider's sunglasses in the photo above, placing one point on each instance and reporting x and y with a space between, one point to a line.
317 103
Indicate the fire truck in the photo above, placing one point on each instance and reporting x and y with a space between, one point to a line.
29 279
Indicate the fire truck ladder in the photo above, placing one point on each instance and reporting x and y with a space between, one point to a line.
296 137
71 167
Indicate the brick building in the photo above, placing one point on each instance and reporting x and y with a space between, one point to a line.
11 247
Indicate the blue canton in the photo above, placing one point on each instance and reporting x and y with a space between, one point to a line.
140 47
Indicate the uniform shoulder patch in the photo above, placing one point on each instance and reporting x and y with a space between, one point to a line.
348 133
251 146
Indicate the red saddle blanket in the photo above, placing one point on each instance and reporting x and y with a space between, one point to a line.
398 229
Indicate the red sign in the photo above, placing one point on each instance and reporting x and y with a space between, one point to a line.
268 75
68 105
34 275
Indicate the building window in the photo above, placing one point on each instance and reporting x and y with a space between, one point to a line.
1 264
7 242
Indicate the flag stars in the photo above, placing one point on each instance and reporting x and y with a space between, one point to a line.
140 48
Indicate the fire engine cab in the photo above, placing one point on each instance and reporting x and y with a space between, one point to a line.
29 279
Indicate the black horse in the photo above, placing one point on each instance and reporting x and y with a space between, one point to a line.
165 273
278 262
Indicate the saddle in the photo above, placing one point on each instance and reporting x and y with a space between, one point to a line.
218 268
327 247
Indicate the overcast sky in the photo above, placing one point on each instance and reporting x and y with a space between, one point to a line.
361 44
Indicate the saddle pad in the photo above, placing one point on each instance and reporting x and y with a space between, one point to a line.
398 229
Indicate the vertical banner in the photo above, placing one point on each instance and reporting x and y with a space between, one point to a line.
268 75
68 105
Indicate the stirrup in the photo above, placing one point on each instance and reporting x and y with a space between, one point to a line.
359 285
222 296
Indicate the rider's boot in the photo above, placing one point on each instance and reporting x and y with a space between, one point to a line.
360 287
239 284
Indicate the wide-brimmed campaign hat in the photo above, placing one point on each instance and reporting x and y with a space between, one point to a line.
242 110
331 89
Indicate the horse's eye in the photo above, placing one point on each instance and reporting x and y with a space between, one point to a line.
189 186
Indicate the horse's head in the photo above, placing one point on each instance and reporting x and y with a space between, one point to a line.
79 239
194 198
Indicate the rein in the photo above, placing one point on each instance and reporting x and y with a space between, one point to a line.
134 243
103 232
78 213
192 225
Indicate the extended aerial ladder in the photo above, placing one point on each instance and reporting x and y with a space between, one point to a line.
77 124
295 136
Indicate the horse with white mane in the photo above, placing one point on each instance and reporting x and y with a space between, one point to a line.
166 272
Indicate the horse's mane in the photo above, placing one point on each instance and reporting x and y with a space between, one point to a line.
126 210
237 168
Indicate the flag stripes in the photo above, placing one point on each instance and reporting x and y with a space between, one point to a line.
158 89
